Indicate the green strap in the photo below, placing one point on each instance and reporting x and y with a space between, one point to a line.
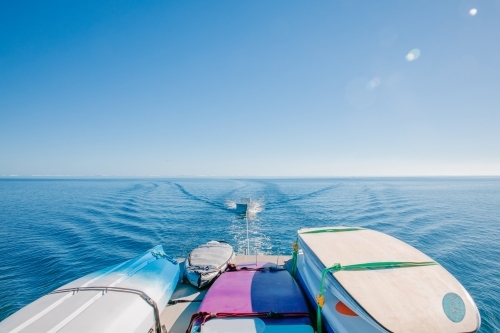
334 229
360 267
320 296
383 265
295 245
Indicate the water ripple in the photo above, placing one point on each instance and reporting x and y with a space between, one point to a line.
54 231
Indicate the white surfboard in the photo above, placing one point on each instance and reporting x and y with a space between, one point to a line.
121 298
410 298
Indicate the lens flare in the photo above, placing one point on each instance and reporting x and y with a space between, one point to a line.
374 83
473 11
413 55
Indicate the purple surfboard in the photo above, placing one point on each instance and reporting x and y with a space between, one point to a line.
249 293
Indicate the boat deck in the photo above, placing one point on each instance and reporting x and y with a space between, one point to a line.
175 318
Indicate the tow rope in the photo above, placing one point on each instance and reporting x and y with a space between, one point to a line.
320 297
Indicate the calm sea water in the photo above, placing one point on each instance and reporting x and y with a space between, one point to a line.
53 231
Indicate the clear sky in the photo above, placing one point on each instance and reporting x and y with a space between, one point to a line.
250 88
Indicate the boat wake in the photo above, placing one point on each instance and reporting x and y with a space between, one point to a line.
246 213
230 204
256 207
252 208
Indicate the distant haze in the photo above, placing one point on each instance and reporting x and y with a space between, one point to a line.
250 88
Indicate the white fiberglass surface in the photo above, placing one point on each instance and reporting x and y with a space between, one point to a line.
151 273
250 325
340 323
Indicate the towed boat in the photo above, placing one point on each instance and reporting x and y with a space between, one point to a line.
244 205
127 297
366 281
253 298
207 262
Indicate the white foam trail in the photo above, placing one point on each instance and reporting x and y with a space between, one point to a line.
259 241
230 204
253 207
256 206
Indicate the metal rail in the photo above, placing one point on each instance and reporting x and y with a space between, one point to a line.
143 295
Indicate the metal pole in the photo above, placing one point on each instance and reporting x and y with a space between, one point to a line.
248 239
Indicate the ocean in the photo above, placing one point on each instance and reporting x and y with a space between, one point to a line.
53 231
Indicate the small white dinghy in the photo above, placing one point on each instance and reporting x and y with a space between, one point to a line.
367 281
207 262
244 205
123 298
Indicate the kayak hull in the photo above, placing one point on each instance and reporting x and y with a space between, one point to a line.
93 309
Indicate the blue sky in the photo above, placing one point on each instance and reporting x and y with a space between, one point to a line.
250 88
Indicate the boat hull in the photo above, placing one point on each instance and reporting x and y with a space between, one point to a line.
241 208
333 321
99 310
413 297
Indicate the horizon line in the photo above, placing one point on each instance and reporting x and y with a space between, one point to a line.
242 176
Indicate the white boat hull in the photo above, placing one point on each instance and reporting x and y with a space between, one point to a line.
377 283
309 275
81 311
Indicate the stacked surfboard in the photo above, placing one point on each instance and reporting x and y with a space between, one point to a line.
121 298
205 263
367 281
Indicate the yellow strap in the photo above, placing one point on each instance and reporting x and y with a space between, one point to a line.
320 300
